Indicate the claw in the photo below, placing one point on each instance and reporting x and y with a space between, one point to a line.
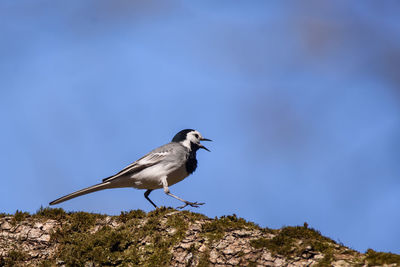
192 204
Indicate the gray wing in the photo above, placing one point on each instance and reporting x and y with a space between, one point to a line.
148 160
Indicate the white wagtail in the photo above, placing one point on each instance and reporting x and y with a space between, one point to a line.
162 167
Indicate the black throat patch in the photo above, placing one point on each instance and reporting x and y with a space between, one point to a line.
191 163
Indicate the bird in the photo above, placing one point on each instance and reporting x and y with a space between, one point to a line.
160 168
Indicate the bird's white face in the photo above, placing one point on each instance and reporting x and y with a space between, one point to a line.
194 137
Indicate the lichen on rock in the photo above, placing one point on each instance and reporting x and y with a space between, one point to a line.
166 237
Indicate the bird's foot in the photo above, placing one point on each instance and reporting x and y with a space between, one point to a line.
192 204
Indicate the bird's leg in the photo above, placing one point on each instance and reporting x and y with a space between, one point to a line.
146 195
166 190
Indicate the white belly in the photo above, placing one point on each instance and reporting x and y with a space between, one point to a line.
150 178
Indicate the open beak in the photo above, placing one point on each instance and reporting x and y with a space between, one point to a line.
203 147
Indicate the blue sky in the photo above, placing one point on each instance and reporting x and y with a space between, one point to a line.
302 101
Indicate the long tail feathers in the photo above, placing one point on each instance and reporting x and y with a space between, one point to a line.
90 189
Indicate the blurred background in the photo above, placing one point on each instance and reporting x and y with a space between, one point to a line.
302 100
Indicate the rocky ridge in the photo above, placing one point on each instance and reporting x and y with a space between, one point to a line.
167 237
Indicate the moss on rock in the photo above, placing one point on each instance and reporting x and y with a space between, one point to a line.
165 237
215 229
380 258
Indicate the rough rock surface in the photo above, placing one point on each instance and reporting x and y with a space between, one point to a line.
29 236
190 240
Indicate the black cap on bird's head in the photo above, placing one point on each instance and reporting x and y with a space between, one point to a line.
181 136
189 138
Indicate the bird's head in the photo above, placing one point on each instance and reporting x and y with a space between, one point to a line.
191 139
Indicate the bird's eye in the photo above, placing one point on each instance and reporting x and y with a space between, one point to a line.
196 135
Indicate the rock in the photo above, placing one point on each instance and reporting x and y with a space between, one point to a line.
188 257
266 256
89 264
246 250
44 238
34 254
213 256
318 257
221 260
17 228
196 227
34 233
341 263
186 245
222 245
252 257
171 231
38 225
32 238
23 233
180 257
203 248
95 229
231 249
6 226
233 261
114 224
48 226
279 262
5 234
230 239
241 233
